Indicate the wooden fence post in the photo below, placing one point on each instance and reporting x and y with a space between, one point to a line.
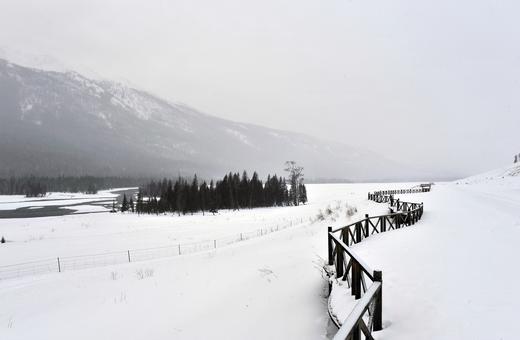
367 222
356 334
331 250
356 279
382 223
59 265
378 310
339 261
358 232
128 252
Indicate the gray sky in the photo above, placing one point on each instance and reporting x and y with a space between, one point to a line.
436 83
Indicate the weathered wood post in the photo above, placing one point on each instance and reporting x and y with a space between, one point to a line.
358 232
59 265
330 245
378 310
356 279
356 334
339 261
383 223
367 222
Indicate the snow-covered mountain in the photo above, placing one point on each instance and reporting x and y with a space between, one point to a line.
62 122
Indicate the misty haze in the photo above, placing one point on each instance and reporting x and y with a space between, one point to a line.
259 170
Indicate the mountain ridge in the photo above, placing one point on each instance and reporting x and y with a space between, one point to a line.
65 123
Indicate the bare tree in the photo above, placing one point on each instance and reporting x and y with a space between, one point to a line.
295 179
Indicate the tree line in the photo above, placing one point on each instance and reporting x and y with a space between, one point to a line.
233 191
32 186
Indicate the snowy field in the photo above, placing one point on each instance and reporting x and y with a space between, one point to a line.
76 235
442 277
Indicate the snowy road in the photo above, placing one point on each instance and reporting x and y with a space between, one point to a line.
453 275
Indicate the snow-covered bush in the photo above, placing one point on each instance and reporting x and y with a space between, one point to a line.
142 274
350 210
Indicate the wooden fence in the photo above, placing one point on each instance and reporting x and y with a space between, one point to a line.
365 284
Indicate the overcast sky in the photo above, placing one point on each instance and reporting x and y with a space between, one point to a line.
436 83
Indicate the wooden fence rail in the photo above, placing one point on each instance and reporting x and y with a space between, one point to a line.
365 284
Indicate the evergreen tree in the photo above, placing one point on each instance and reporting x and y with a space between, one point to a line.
139 203
124 205
131 204
303 193
194 196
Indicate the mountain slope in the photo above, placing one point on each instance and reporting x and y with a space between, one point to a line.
504 174
54 122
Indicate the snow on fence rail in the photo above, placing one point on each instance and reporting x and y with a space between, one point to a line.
69 263
345 266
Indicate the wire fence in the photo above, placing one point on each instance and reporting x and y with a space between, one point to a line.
70 263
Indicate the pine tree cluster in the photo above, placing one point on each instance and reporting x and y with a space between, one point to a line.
232 192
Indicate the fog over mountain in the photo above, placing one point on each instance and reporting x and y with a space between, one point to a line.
64 123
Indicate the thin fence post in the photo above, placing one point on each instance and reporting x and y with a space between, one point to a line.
356 279
339 261
366 225
59 265
179 248
356 334
241 239
128 251
358 232
378 310
330 245
382 223
215 244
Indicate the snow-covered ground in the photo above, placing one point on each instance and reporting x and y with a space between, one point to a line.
75 235
55 198
268 287
454 274
451 276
